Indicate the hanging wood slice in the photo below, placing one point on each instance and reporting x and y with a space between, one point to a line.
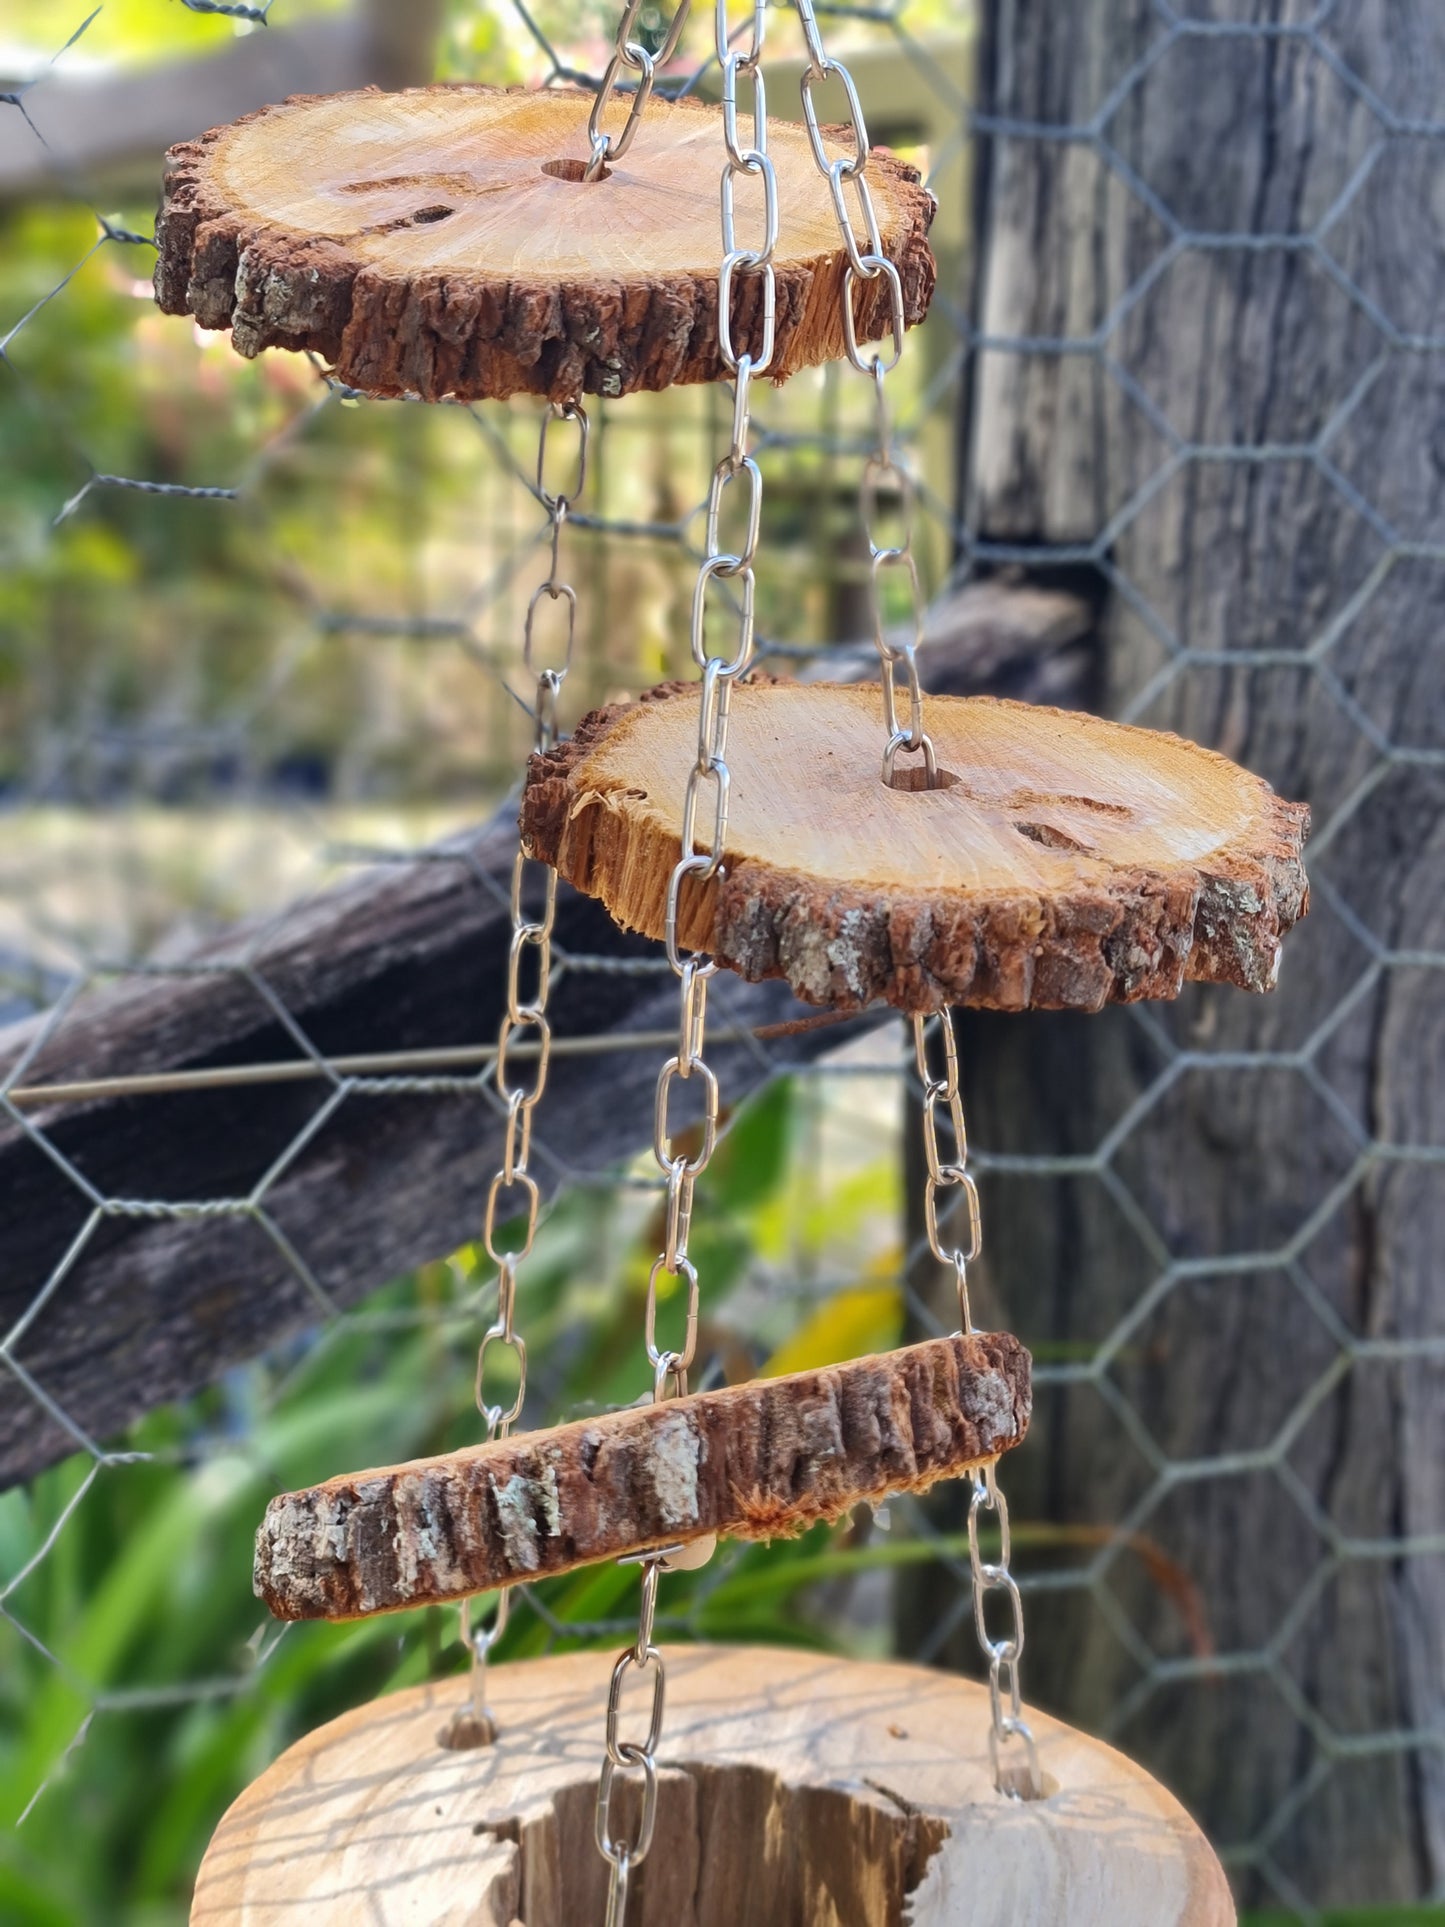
439 243
1064 863
758 1461
793 1789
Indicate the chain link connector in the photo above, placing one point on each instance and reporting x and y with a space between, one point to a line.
819 68
866 365
500 1418
519 1180
717 773
611 147
475 1724
563 411
723 477
694 865
722 36
662 1141
672 1364
761 354
732 67
753 165
1008 1729
633 1850
713 567
860 260
554 592
651 1660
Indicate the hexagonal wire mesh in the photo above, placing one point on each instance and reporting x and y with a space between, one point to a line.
261 633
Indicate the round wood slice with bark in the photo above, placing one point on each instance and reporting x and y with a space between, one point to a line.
441 242
1062 862
793 1787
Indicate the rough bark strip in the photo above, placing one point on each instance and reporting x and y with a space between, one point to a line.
756 1461
416 242
1072 863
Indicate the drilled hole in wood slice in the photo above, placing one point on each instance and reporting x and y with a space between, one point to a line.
912 779
1074 861
297 228
794 1789
465 1732
574 170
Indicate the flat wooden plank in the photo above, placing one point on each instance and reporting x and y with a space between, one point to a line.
794 1788
1063 862
756 1461
439 242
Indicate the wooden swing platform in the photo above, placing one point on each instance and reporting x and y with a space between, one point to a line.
758 1461
442 243
795 1791
1064 862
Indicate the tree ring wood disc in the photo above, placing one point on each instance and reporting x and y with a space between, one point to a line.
1066 861
794 1790
431 243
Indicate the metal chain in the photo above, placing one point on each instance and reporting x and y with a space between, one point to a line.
701 858
512 1179
1009 1732
946 1174
630 55
885 473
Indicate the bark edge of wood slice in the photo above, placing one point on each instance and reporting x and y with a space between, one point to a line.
792 1786
757 1461
425 244
1068 862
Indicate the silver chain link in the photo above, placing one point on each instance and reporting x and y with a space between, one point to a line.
512 1179
1009 1732
885 473
947 1174
628 56
701 858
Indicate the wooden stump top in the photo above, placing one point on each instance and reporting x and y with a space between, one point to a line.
434 243
793 1789
757 1461
1064 863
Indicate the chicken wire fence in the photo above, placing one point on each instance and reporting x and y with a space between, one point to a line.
281 650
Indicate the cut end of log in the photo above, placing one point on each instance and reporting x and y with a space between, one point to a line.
758 1461
1064 862
793 1788
440 243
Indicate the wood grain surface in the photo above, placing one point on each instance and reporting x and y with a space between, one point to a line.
795 1791
756 1461
419 241
1067 862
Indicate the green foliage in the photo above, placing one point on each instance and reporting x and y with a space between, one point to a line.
1355 1917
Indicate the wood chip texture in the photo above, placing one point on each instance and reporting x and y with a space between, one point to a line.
422 243
1065 863
757 1461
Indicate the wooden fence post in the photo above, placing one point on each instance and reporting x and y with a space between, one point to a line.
1247 415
